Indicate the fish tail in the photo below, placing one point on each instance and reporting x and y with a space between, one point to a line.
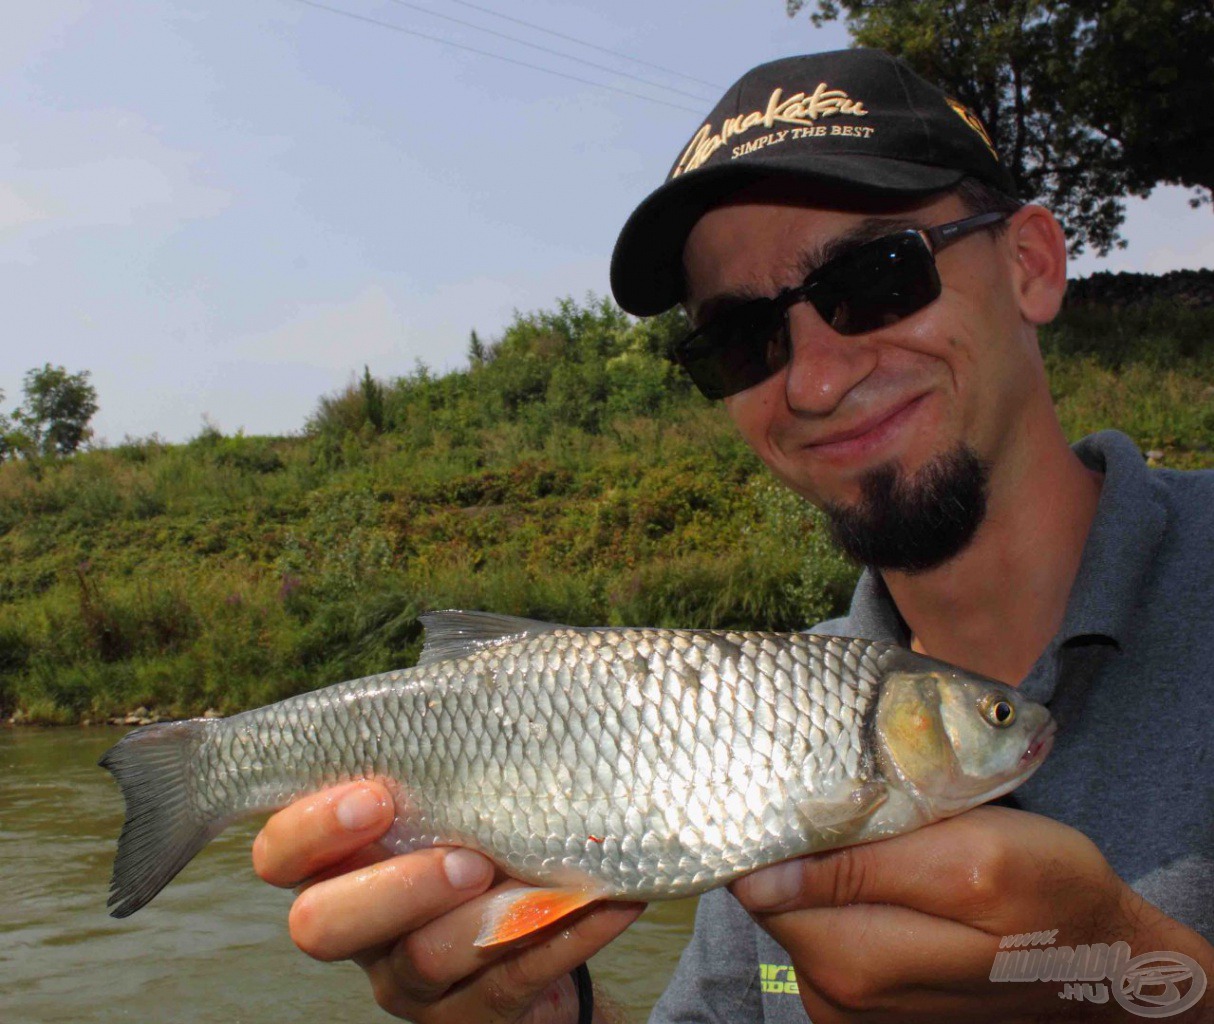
163 828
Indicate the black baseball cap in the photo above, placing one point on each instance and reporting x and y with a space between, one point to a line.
852 121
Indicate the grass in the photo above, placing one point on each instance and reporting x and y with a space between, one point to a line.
569 477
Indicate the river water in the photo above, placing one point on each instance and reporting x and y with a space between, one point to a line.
213 947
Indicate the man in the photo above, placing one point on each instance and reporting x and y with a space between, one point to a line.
896 382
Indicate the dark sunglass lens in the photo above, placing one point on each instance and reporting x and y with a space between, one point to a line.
878 285
737 349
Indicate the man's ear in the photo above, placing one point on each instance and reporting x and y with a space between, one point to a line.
1038 247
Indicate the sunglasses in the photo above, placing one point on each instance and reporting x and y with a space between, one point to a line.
868 287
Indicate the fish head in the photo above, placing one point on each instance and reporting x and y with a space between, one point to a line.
956 740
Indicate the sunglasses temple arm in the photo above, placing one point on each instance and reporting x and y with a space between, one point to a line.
945 234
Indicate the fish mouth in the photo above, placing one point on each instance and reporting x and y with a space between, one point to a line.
1041 744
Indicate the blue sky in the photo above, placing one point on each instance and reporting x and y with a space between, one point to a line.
224 209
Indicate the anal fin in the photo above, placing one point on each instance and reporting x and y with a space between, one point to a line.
519 912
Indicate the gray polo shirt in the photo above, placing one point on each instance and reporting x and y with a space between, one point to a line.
1129 679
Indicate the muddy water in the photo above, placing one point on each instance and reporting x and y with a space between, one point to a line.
213 947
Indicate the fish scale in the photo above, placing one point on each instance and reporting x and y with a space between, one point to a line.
475 797
627 763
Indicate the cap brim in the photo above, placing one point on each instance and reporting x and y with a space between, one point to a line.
646 266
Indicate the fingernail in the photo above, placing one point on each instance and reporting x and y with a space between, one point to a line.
359 809
465 869
771 887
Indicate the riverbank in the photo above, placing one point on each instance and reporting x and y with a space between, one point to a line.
134 717
568 474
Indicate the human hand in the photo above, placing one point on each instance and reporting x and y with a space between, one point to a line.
409 921
907 929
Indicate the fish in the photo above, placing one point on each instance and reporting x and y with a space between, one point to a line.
617 763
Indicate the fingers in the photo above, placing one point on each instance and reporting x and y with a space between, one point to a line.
439 953
514 983
358 860
891 963
871 949
340 917
962 869
318 831
437 971
410 921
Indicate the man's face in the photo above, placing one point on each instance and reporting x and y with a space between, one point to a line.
953 377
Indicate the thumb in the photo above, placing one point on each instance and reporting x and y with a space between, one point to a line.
967 868
906 870
824 880
778 887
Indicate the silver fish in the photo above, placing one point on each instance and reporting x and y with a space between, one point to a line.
604 763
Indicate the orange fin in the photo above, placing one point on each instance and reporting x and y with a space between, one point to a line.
519 912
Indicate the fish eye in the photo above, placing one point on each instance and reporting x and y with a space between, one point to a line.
999 712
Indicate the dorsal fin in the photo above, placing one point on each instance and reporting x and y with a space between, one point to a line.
458 634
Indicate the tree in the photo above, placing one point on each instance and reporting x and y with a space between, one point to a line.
1143 79
1088 101
477 354
373 400
8 442
54 420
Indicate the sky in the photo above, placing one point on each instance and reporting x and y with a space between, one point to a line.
224 209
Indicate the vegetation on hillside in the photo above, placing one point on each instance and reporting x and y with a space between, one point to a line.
567 474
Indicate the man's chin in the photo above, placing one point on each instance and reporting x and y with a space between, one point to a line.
913 522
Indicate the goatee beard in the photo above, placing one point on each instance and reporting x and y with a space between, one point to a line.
914 523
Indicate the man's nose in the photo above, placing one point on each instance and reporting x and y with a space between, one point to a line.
823 365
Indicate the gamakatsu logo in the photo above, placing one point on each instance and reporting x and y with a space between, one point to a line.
779 979
801 109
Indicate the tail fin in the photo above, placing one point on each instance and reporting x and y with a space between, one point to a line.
163 829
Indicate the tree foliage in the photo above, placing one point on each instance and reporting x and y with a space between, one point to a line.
1088 101
54 420
477 353
1143 79
373 400
8 437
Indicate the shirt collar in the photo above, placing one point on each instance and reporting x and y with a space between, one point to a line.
1117 556
873 614
1122 545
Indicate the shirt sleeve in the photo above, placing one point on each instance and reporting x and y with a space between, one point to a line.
716 981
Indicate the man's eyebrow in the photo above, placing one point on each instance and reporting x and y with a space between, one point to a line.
868 230
723 302
808 261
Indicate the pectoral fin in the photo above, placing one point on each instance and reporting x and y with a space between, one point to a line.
519 912
838 818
